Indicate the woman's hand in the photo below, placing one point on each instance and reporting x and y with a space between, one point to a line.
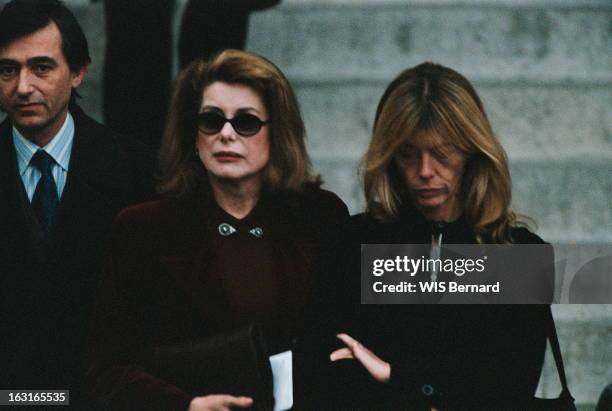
219 403
378 368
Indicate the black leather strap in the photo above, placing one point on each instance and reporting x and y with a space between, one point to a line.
554 344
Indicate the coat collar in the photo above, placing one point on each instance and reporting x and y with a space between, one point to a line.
189 251
96 159
13 221
7 157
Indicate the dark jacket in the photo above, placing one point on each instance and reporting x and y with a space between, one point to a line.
46 290
452 356
157 293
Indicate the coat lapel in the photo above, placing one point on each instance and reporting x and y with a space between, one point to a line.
185 257
30 297
295 282
95 188
91 199
12 220
14 243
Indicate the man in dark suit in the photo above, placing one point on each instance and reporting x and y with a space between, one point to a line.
63 178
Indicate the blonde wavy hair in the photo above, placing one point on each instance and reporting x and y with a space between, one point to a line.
436 100
289 167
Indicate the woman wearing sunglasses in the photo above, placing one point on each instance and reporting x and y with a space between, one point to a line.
436 174
243 235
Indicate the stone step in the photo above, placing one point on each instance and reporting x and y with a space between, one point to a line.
586 347
375 40
532 120
569 200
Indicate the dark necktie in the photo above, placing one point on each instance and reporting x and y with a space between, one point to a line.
45 201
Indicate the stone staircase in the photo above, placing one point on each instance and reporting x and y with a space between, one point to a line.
544 71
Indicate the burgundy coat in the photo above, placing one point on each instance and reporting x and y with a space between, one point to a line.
156 294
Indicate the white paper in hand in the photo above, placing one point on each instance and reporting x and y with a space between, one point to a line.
282 380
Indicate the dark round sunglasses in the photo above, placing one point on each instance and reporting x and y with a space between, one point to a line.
245 124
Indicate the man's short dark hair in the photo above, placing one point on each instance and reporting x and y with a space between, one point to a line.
20 18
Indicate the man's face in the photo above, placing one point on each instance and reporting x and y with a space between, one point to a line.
36 83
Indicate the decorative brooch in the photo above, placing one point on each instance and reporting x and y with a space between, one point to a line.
226 229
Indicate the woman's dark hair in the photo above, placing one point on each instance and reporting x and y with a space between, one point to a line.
20 18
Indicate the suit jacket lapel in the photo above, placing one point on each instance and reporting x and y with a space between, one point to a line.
86 212
22 287
95 172
13 223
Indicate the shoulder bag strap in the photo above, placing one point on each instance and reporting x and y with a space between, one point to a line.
554 344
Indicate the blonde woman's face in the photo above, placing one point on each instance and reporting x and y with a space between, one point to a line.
226 154
432 170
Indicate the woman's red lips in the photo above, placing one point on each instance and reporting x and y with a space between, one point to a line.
227 156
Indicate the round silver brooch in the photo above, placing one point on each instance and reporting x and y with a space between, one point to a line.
225 229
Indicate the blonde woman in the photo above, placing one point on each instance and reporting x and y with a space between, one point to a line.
436 174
